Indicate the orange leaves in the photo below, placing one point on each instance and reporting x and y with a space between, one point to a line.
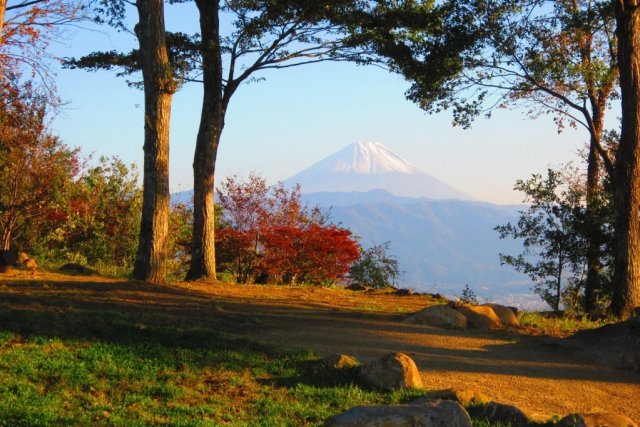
27 28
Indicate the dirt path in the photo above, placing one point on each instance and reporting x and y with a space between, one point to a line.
534 373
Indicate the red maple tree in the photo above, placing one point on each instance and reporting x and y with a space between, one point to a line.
270 236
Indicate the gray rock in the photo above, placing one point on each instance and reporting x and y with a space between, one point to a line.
600 419
438 413
616 345
466 397
499 412
438 315
391 372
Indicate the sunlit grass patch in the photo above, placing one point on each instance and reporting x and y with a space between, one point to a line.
557 325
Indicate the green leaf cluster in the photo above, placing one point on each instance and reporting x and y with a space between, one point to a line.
375 267
554 236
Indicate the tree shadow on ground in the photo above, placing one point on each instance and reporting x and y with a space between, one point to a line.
135 315
372 335
130 312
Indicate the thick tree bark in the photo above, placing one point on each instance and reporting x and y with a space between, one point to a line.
593 281
594 264
8 227
626 297
159 86
5 240
203 261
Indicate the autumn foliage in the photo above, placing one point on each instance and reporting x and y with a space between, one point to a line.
27 28
267 235
35 167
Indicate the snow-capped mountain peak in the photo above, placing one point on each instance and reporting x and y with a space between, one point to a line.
366 166
369 157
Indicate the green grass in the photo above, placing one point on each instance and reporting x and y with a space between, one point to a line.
558 325
109 368
105 364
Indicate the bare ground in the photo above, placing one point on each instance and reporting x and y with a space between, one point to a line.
535 373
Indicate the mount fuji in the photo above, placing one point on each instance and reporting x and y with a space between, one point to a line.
442 237
366 166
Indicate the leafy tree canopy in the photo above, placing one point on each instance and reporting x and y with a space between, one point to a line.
375 267
551 233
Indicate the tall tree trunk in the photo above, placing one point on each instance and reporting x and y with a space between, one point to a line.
5 239
626 284
203 260
159 86
593 282
8 226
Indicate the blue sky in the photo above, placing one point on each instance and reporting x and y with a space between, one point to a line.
298 116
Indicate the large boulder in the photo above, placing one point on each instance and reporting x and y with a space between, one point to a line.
438 413
506 315
438 315
391 372
600 419
480 316
616 345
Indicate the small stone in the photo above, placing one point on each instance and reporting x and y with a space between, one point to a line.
339 361
391 372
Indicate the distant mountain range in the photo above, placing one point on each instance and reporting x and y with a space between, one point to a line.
441 244
443 239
